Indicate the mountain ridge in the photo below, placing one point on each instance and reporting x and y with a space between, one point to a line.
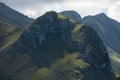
109 31
14 17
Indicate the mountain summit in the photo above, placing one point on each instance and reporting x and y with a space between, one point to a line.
72 14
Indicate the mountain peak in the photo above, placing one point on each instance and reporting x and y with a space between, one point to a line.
101 15
72 14
71 11
1 3
51 15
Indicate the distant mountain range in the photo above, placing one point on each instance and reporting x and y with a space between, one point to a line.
13 17
58 46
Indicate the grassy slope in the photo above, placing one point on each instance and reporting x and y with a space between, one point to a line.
66 68
8 34
115 60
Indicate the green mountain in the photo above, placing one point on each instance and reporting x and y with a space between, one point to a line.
107 28
8 34
13 17
109 31
55 47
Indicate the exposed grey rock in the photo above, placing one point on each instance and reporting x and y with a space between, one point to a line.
109 31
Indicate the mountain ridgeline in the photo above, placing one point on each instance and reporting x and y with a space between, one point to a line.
13 17
109 31
56 47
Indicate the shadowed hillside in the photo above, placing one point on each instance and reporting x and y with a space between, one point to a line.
56 48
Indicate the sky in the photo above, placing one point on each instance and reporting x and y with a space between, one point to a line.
36 8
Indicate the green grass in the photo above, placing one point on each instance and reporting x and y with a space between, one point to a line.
40 74
77 34
17 68
77 28
69 67
115 61
61 16
66 68
11 39
8 34
71 59
72 20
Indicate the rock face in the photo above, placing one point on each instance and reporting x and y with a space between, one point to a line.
49 39
13 17
107 28
72 14
95 53
109 31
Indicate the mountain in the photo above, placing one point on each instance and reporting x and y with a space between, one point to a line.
13 17
56 48
8 34
72 15
109 31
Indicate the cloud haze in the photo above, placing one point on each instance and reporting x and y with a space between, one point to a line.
35 8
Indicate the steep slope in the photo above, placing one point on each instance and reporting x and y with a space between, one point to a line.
72 14
8 34
13 17
115 59
107 28
55 48
109 31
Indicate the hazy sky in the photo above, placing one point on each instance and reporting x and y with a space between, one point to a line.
35 8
